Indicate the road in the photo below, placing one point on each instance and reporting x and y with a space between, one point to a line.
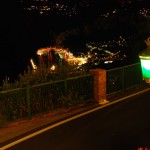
121 126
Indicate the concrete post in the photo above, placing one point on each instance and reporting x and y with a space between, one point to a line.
99 85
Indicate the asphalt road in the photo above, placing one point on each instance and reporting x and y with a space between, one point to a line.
121 126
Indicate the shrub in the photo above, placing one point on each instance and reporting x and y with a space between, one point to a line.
44 74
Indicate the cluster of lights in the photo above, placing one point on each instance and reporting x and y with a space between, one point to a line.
46 7
106 52
104 45
77 60
105 59
108 14
64 54
145 12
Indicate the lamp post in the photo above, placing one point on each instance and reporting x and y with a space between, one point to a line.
145 64
145 61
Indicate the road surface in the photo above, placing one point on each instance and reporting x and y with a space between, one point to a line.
121 126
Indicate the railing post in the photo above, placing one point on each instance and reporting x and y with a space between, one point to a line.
28 101
1 112
66 87
99 85
123 78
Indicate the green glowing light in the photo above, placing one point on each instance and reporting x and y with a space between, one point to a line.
145 65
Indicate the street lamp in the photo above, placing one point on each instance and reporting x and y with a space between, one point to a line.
145 64
145 61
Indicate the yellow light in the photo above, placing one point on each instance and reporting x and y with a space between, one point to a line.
33 64
53 67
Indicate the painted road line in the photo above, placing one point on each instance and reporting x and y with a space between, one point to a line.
69 119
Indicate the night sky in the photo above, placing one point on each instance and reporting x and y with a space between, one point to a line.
21 36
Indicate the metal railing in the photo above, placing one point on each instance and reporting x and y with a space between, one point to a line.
29 101
123 78
26 102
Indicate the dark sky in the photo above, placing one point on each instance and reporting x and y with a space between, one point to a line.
13 43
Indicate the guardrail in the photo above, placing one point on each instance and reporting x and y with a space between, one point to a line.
123 78
26 102
29 101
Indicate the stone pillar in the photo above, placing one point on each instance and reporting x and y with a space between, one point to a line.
99 85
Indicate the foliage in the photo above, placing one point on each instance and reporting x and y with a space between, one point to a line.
32 100
44 74
73 98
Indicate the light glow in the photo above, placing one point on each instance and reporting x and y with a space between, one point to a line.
64 54
53 67
33 64
145 65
